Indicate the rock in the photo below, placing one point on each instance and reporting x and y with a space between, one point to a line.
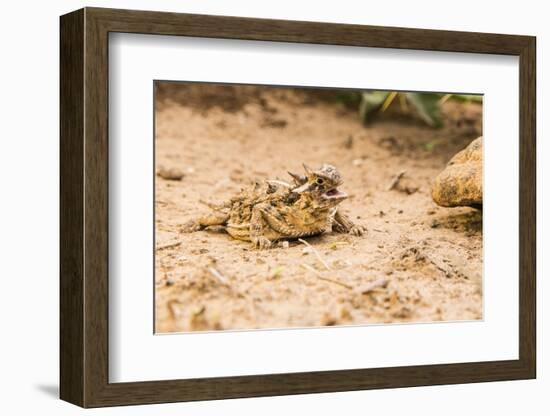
461 182
172 174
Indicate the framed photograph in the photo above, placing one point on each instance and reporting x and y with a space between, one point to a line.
257 207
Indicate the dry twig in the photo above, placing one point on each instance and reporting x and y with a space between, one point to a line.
326 279
324 263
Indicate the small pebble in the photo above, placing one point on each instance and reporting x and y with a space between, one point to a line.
172 174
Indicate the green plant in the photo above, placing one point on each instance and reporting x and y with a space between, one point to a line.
426 105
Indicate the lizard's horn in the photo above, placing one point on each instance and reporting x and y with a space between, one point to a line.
308 170
302 188
299 179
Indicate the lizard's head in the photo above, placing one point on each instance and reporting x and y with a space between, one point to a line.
321 185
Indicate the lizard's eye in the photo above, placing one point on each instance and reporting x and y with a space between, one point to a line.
320 181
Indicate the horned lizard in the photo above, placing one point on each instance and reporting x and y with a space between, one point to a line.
277 210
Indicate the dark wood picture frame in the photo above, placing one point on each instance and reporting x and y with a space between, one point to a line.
84 207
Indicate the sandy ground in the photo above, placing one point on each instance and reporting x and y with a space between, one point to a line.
224 137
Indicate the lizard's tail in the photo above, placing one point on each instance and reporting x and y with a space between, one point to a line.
214 207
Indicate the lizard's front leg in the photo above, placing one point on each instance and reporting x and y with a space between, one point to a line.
342 224
258 228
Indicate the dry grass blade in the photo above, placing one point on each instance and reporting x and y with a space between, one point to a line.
338 244
326 279
396 179
169 245
323 262
220 277
377 284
